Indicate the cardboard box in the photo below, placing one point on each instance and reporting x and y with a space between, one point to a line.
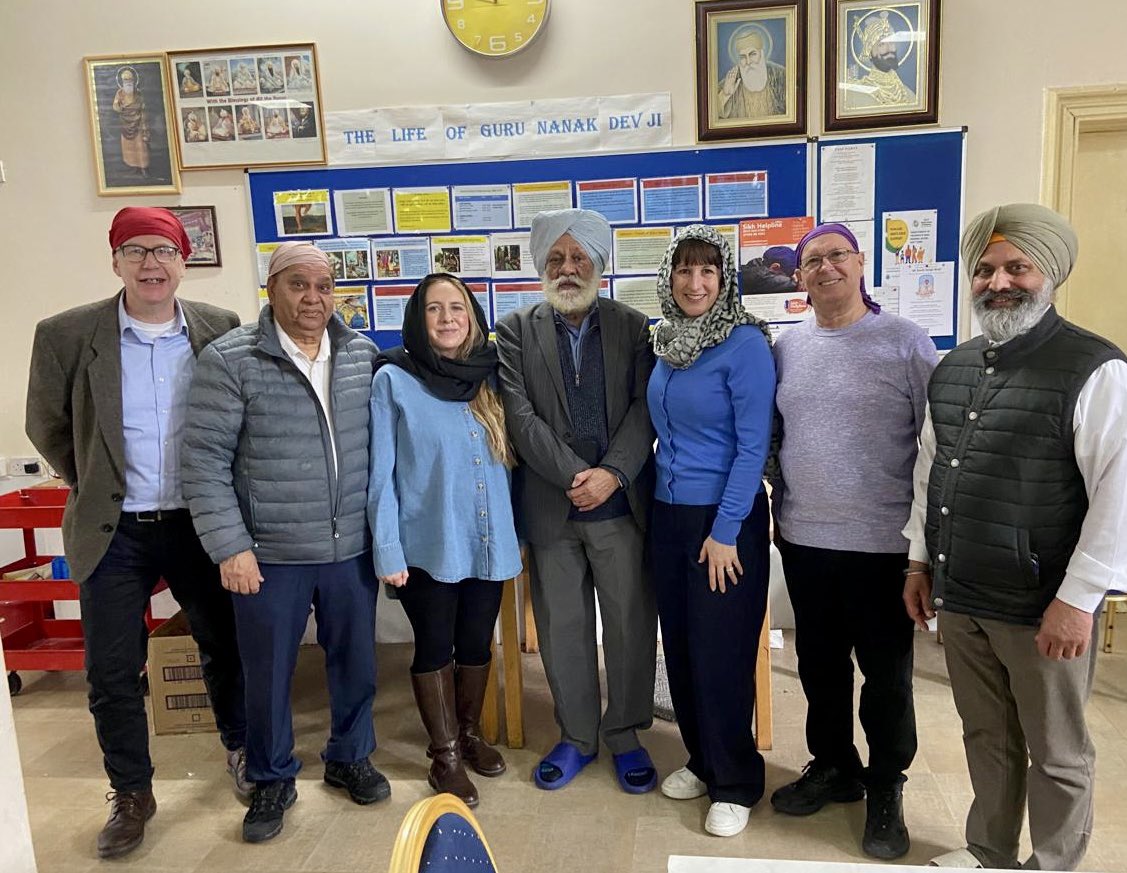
179 697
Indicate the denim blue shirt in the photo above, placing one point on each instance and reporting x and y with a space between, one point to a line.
437 498
576 335
713 423
155 377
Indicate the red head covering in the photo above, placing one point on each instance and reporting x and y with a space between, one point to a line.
145 221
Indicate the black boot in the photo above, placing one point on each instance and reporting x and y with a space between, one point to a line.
469 693
434 694
886 835
818 785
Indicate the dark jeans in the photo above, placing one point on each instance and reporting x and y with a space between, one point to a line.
851 602
271 622
113 602
711 641
450 619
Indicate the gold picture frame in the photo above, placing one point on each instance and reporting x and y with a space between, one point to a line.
247 106
130 125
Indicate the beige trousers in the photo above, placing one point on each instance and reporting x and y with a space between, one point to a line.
1026 741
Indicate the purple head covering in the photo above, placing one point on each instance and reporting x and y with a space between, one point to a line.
842 230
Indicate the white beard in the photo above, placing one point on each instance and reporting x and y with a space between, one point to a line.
754 76
1000 325
577 295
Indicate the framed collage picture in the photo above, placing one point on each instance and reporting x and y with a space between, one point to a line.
199 224
245 107
882 63
751 69
131 124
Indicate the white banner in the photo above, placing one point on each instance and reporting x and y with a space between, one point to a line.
577 125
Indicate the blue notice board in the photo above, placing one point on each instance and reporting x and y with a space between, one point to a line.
785 164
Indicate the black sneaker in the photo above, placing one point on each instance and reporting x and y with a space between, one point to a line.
817 786
886 836
268 805
363 782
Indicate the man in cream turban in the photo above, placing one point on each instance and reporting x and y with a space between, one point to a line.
574 371
275 470
1016 536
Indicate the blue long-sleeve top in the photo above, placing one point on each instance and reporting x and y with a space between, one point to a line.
437 498
713 423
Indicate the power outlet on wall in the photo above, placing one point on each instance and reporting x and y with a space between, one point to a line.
26 466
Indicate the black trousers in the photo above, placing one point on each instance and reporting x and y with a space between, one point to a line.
711 641
113 602
851 602
450 619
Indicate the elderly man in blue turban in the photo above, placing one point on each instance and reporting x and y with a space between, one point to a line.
1016 536
574 371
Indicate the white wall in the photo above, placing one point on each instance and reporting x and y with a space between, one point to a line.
998 56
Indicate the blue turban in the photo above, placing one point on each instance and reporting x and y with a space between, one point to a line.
587 228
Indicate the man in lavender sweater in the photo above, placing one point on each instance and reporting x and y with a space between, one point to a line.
852 394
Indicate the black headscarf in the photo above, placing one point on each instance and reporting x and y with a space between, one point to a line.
446 378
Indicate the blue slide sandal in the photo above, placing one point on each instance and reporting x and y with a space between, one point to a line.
560 766
635 771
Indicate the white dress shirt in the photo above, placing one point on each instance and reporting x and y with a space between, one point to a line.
1099 425
317 370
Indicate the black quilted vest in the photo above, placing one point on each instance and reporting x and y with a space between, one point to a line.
1005 499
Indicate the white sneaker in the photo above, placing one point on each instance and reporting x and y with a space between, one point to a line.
960 859
726 819
683 785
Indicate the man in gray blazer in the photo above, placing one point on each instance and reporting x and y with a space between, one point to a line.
106 406
573 380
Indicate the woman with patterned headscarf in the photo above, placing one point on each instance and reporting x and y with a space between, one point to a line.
711 398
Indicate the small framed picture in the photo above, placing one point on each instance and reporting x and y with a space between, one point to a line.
882 63
247 107
131 125
199 223
751 69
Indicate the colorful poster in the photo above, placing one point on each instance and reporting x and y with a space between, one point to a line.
908 238
640 249
352 305
639 292
735 195
363 211
349 257
483 207
671 199
615 199
512 258
532 198
303 213
401 257
422 210
460 255
927 296
767 254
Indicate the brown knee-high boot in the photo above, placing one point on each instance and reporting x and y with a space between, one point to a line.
434 694
469 692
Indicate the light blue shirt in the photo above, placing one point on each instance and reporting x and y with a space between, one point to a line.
576 335
437 498
155 377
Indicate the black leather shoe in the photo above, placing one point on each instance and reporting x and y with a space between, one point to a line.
268 806
886 835
817 786
125 829
363 782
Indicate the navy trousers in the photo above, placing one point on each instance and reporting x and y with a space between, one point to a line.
113 601
711 641
270 625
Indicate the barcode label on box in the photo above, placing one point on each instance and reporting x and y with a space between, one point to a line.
186 701
182 674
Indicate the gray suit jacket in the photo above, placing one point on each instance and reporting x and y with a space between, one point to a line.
539 423
74 414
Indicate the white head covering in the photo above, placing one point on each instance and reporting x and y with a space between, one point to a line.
588 228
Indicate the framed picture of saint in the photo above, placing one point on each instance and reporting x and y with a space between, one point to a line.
882 63
130 125
751 69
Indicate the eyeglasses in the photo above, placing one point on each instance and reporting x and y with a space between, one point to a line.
812 263
137 254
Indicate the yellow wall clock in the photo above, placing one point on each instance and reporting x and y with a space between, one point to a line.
495 28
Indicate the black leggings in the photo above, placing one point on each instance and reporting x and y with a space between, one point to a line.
450 618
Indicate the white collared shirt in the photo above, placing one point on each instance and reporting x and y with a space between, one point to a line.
318 371
1099 423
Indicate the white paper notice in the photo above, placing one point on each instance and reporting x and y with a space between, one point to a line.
460 255
482 207
401 257
863 230
511 296
927 295
640 249
639 292
363 211
512 258
848 182
388 301
532 198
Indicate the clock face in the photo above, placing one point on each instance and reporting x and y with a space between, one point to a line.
495 28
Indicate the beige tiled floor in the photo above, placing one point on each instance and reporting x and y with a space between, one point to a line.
590 826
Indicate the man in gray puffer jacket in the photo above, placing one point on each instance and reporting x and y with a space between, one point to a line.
275 471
